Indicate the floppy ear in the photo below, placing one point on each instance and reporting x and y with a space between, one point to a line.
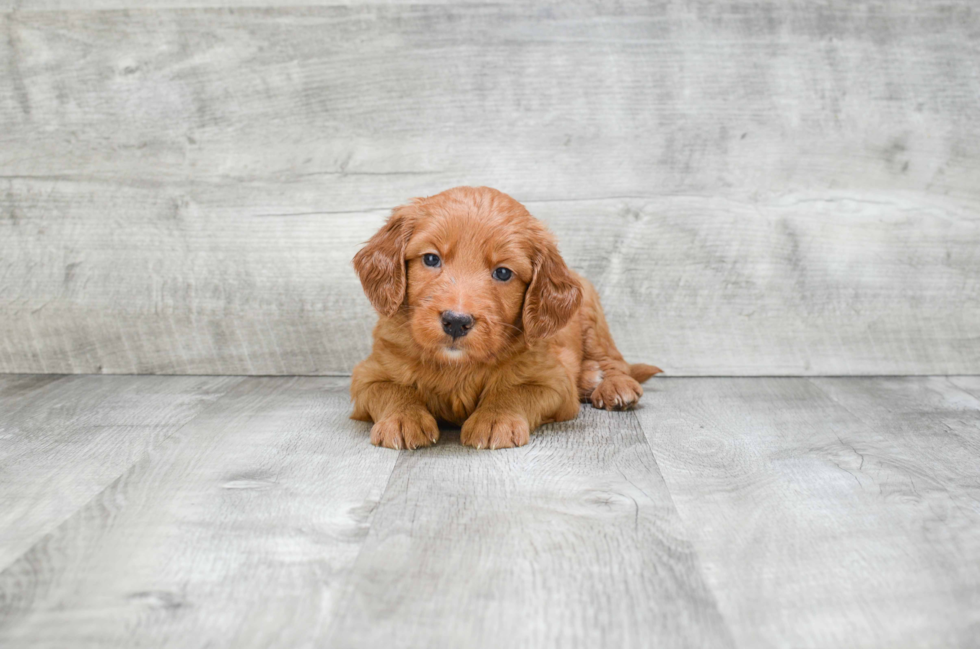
380 264
552 297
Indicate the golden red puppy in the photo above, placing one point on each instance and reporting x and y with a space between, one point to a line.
482 325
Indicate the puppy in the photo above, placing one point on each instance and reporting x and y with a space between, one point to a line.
482 325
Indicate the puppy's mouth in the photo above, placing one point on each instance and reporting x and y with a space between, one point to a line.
453 352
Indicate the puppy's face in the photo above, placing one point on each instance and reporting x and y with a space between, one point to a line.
474 272
467 275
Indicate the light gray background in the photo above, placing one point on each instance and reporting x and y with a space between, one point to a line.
754 187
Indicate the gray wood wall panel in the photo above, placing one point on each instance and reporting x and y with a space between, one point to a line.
838 512
756 188
73 5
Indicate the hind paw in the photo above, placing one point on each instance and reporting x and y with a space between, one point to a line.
617 392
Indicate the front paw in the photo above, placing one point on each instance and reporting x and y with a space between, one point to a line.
617 392
410 429
495 430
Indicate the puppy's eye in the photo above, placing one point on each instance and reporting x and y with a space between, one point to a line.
432 260
503 274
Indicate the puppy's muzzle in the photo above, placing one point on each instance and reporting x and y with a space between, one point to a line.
455 324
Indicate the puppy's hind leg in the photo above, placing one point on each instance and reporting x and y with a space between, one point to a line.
606 379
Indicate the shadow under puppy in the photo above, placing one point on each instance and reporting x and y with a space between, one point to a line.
482 325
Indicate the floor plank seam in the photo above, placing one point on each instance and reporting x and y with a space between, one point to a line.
872 424
696 556
346 588
62 377
59 524
773 545
864 421
953 384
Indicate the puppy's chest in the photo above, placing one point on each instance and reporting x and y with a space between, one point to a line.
451 397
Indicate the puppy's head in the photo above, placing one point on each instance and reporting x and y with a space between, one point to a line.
473 271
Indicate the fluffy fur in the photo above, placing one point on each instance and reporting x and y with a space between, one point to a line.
538 345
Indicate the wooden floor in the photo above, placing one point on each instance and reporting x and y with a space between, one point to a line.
251 512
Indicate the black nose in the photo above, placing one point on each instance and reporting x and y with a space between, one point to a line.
455 324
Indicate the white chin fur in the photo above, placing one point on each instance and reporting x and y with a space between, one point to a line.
454 354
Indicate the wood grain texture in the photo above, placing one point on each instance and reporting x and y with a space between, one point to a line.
832 512
969 384
747 512
102 5
756 187
236 531
571 541
72 437
18 390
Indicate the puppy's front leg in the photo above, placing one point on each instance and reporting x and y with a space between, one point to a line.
506 416
400 419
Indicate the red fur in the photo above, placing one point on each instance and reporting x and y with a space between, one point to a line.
539 342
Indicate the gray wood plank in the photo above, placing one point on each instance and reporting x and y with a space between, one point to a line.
571 541
78 434
236 531
757 188
18 390
822 519
764 285
101 5
969 384
932 428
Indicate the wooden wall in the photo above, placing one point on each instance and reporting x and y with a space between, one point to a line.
754 187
